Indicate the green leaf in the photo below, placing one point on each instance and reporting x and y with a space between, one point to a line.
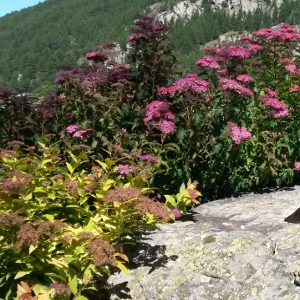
73 156
70 168
39 190
46 161
122 268
102 164
32 248
28 197
89 227
182 188
22 273
73 284
170 199
81 298
49 217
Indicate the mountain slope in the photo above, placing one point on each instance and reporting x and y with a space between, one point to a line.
37 42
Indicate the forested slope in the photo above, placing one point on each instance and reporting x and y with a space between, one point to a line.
37 42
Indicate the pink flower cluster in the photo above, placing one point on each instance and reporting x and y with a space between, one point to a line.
297 166
294 89
244 78
175 212
271 93
238 134
286 34
292 69
12 184
193 193
232 52
7 153
149 158
286 61
192 81
146 30
126 169
97 56
234 85
159 115
78 132
135 37
238 52
208 61
279 106
59 79
72 185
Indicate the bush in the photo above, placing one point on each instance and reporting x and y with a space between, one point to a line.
62 224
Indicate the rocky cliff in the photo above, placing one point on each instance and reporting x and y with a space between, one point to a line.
186 9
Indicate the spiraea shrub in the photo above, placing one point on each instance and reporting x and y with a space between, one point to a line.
63 223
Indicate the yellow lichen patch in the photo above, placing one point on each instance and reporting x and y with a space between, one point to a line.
238 246
283 287
289 239
179 281
254 292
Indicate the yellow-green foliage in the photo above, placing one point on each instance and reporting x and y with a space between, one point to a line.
61 222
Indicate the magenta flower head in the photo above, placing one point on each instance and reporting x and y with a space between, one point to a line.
72 185
208 61
81 133
59 80
244 78
176 213
238 134
167 127
126 169
297 166
97 56
294 89
72 128
149 158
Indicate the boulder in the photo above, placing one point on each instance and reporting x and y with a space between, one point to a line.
235 248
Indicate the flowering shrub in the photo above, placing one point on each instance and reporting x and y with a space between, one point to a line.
62 224
236 121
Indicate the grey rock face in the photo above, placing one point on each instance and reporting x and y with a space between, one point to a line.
236 248
186 8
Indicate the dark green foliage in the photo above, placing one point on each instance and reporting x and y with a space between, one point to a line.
36 51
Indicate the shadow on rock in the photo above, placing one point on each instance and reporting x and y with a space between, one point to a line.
140 254
105 290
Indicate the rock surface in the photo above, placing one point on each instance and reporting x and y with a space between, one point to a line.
236 248
185 9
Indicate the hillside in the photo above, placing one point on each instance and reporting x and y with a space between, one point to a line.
32 52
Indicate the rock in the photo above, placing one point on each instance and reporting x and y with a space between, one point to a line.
187 8
236 248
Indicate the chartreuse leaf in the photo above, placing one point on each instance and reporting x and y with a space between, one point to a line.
20 274
89 227
73 156
70 168
28 197
102 164
49 217
182 188
73 282
32 248
170 199
122 268
108 184
39 189
80 297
